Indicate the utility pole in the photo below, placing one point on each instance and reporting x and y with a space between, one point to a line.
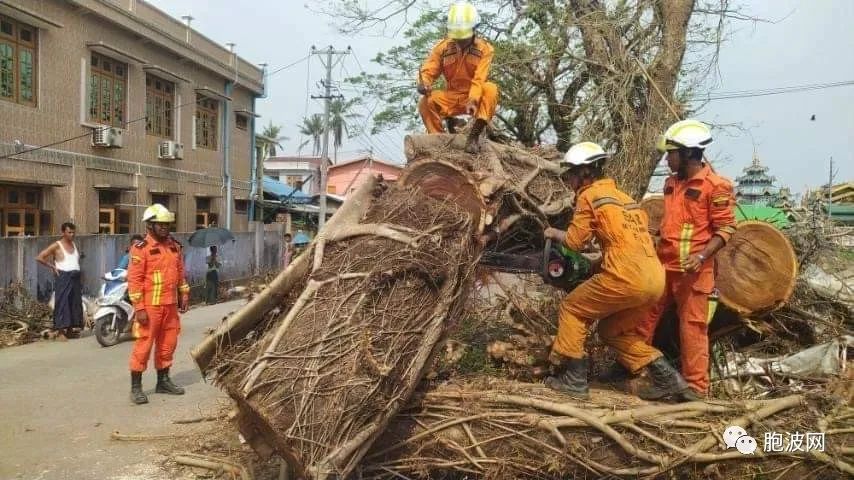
327 97
831 176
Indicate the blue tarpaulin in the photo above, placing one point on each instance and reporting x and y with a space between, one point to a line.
281 192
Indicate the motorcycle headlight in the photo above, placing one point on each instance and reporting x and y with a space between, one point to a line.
111 298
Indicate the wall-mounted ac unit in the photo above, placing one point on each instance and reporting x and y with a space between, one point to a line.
170 150
108 137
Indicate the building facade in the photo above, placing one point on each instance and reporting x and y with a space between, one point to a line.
107 106
346 177
302 173
756 187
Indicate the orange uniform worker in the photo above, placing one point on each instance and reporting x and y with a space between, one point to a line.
631 280
158 290
698 220
464 61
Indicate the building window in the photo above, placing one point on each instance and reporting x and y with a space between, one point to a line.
111 218
21 214
107 87
204 217
159 106
207 113
241 206
241 121
294 181
18 47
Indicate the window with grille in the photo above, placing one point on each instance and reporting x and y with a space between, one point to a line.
107 213
107 87
207 113
241 206
18 67
159 106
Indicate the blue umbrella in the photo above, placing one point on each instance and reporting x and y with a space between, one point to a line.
301 239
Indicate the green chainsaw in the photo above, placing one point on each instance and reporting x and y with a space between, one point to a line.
558 265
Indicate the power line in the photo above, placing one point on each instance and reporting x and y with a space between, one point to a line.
287 66
87 134
775 91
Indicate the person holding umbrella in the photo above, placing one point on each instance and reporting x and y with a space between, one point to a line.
212 277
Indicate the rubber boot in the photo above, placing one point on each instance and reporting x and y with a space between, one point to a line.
666 382
472 145
136 394
165 385
616 373
571 378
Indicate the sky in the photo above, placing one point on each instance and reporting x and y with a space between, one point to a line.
811 43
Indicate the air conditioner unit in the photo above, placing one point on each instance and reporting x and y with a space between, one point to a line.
170 150
109 137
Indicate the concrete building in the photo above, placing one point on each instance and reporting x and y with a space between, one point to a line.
110 105
296 171
346 177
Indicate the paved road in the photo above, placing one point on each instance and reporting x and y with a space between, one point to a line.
59 402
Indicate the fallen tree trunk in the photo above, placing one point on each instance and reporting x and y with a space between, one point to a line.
322 360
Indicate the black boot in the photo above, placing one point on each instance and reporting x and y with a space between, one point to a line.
666 382
616 373
571 378
472 145
165 385
136 394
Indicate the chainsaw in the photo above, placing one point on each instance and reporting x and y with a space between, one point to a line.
558 265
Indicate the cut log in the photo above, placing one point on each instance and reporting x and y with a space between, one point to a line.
757 270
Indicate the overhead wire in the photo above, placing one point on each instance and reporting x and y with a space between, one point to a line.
87 134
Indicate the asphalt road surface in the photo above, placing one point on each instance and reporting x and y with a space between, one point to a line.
59 402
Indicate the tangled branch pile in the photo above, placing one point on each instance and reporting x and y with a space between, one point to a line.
22 318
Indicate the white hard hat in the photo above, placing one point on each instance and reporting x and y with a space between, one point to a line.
157 213
584 153
685 134
462 18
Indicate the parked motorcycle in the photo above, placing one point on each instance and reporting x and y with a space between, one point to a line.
114 317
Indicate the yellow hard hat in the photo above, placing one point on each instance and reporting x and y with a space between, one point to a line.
685 134
462 18
584 153
157 213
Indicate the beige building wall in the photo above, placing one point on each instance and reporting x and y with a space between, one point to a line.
149 42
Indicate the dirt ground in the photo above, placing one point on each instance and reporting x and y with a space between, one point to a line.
60 401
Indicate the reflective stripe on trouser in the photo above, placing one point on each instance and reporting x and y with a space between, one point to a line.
606 297
694 306
685 242
441 104
161 332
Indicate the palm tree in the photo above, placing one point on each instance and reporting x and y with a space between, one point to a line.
273 132
339 115
312 127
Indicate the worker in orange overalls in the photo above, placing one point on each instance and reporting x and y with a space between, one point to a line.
698 220
464 60
631 280
158 290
